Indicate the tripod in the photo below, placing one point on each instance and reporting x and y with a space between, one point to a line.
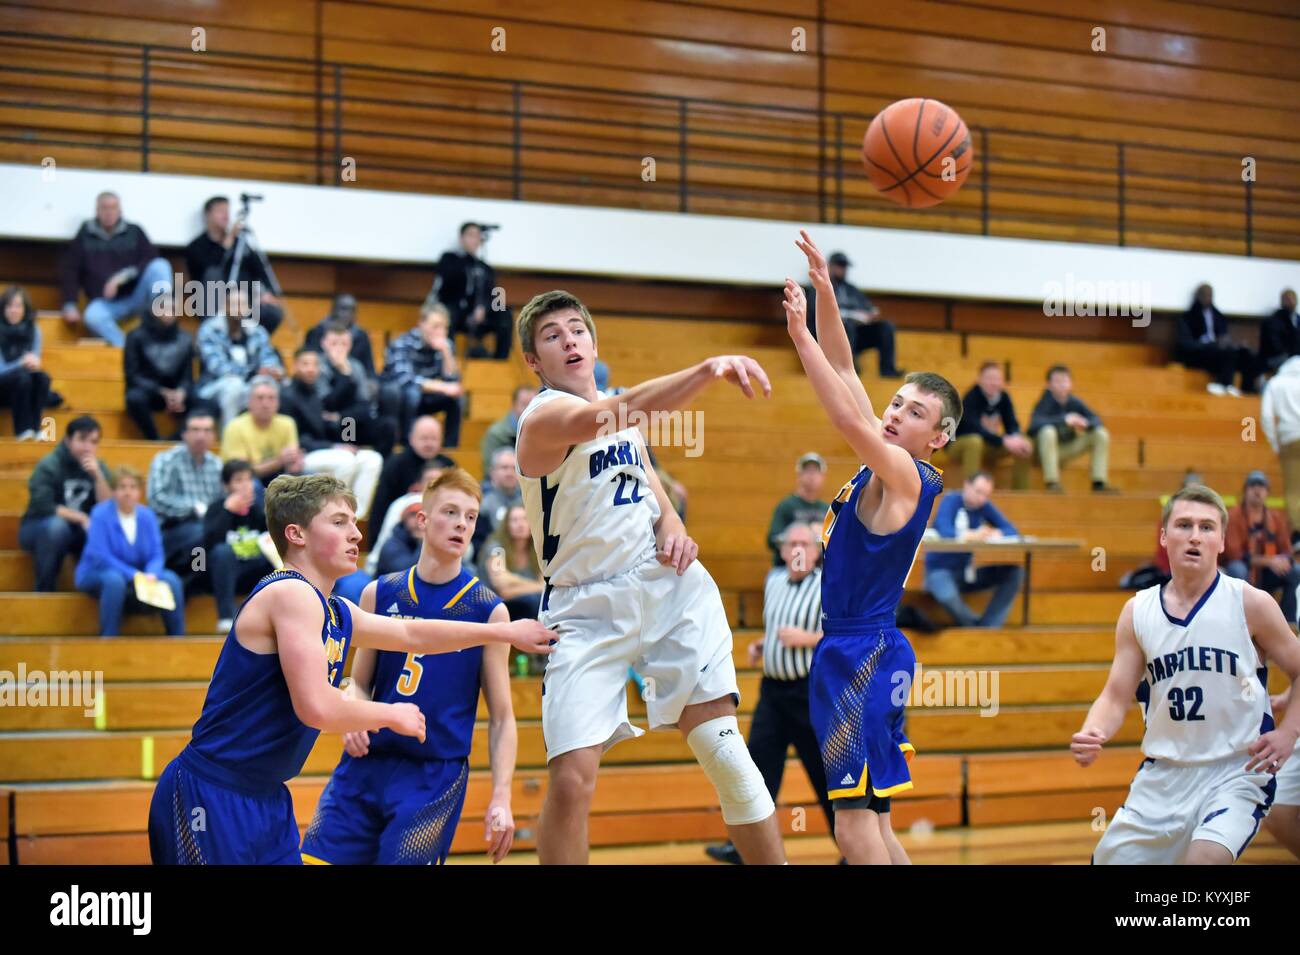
245 243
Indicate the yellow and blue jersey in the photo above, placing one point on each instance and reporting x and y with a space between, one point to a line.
400 803
862 669
223 799
445 686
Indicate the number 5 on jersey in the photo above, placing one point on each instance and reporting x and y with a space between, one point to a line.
409 681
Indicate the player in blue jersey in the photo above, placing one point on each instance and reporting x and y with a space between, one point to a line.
862 670
393 799
275 687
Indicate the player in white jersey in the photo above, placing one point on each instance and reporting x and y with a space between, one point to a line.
622 585
1193 652
1284 818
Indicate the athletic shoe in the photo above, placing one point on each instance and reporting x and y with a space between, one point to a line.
726 852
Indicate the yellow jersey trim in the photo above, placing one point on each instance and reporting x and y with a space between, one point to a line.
308 859
460 593
410 585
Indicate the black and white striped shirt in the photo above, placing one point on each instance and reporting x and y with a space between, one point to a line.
789 603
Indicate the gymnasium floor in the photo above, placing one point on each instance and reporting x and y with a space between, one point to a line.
1061 843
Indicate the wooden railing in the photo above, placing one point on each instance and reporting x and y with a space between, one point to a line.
109 104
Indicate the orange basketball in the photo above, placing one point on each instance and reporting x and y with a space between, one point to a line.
917 152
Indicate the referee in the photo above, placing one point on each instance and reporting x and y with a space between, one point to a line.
792 610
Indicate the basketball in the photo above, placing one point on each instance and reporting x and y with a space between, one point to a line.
917 152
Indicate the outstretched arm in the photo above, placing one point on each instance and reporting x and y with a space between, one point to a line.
832 338
1106 715
558 425
444 636
891 463
503 743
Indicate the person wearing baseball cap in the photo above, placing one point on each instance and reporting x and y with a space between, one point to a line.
1258 544
804 505
862 321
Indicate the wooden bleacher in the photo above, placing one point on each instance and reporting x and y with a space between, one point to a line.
80 784
1047 112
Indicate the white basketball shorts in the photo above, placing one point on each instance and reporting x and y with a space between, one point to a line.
1171 805
672 630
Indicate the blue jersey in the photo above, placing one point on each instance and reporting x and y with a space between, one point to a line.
864 573
248 732
445 686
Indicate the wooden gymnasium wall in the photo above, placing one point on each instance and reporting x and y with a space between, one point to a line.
1175 76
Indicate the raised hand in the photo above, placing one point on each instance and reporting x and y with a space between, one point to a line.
796 310
739 370
817 269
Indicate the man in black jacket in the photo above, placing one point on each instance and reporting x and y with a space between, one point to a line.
1279 336
158 363
464 283
344 312
354 392
118 268
989 428
65 485
403 469
1203 342
209 258
1064 427
330 442
232 525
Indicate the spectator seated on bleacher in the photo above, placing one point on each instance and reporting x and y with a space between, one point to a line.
420 372
262 436
862 321
969 515
989 429
353 392
1203 342
1064 427
509 563
123 544
804 506
1258 545
502 493
183 481
209 259
344 312
424 445
324 436
504 432
464 285
1279 335
118 268
231 528
402 549
23 385
1279 413
231 354
63 488
158 365
393 515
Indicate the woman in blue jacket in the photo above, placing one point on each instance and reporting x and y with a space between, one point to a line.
123 541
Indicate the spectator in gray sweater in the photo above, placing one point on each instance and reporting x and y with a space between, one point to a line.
1064 427
232 353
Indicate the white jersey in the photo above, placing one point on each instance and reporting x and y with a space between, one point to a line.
1204 696
594 516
